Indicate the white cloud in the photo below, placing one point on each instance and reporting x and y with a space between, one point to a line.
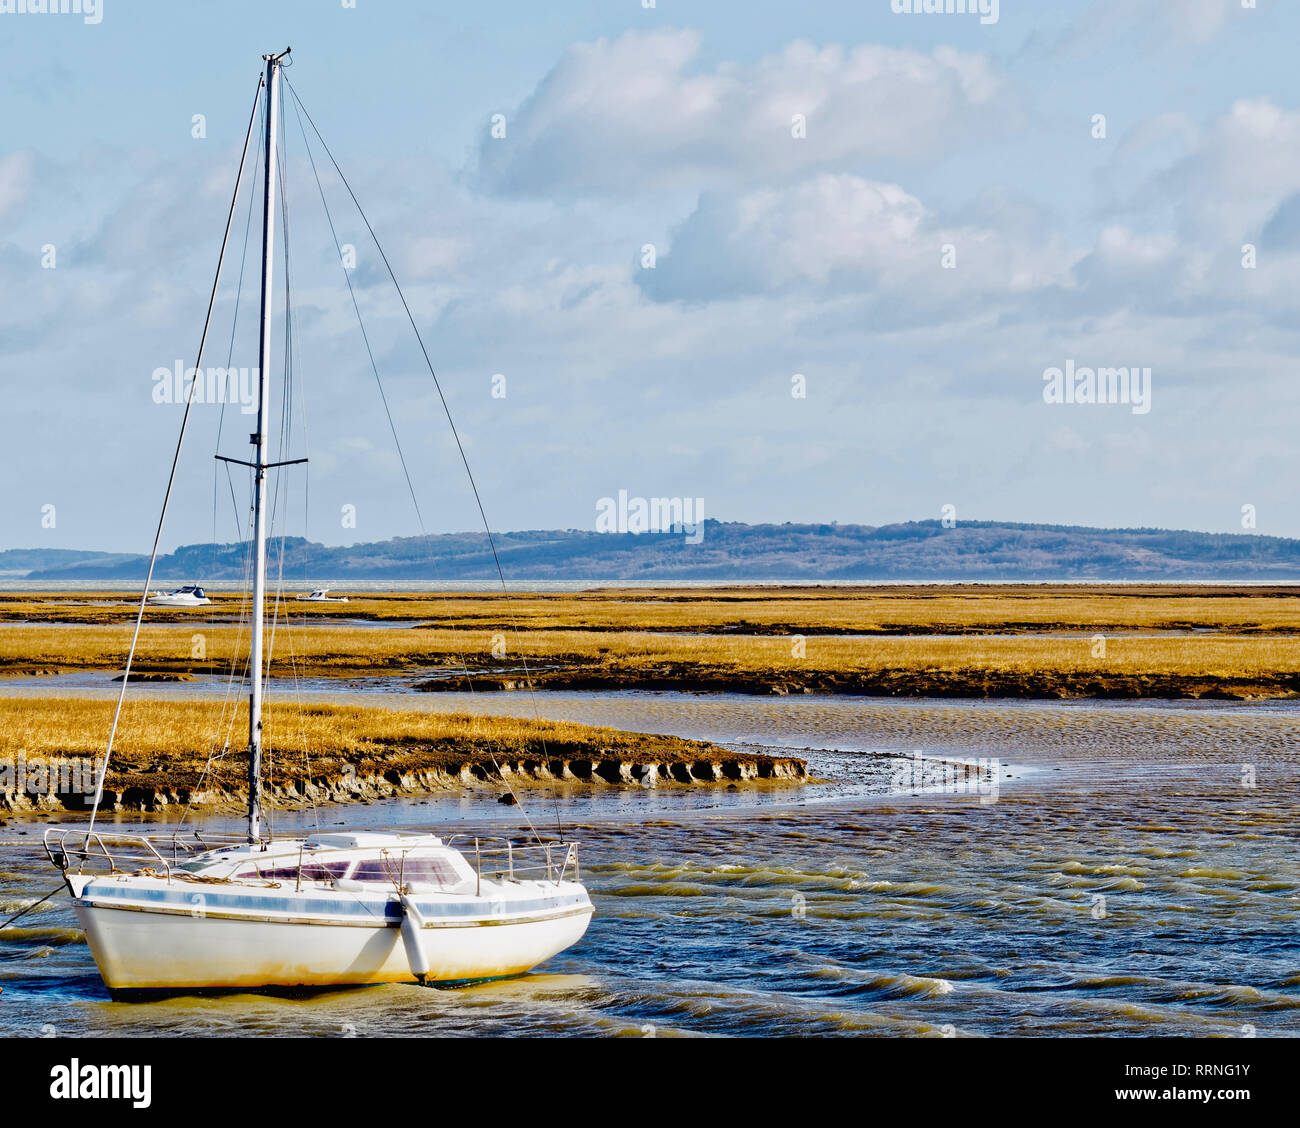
1199 21
1156 24
1121 248
431 256
632 114
15 179
841 233
1181 200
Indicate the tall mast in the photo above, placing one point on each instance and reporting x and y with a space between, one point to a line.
258 440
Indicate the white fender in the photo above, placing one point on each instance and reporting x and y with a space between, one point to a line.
412 939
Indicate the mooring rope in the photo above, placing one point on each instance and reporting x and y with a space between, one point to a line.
30 907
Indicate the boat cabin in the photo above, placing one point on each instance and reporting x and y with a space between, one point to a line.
360 862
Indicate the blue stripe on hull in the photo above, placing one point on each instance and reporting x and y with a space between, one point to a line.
391 910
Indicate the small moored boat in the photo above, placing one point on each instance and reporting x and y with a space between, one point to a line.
191 595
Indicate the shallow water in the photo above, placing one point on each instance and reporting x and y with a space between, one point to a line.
1124 882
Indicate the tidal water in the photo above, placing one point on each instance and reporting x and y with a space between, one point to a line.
1138 874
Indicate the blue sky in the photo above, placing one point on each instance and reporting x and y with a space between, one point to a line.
775 256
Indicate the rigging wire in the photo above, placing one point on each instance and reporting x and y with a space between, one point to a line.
171 478
230 355
237 675
365 337
34 904
228 714
241 531
286 416
446 410
288 408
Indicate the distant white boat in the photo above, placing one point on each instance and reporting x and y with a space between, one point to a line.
191 595
322 595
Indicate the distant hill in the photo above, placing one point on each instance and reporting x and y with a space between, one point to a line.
20 562
729 552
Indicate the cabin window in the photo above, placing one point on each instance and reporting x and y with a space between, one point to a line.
323 871
430 871
420 871
311 871
377 869
424 871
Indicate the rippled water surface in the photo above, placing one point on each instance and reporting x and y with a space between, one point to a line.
1125 882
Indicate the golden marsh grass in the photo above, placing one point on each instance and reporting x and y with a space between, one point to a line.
167 743
352 650
968 640
922 609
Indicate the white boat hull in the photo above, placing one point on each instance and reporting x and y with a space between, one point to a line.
141 949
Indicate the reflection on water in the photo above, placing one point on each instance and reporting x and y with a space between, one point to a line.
1126 882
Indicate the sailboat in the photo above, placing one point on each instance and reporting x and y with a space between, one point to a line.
200 911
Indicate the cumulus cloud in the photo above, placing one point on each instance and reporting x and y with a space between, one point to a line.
1211 185
635 113
842 233
1248 163
1179 200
